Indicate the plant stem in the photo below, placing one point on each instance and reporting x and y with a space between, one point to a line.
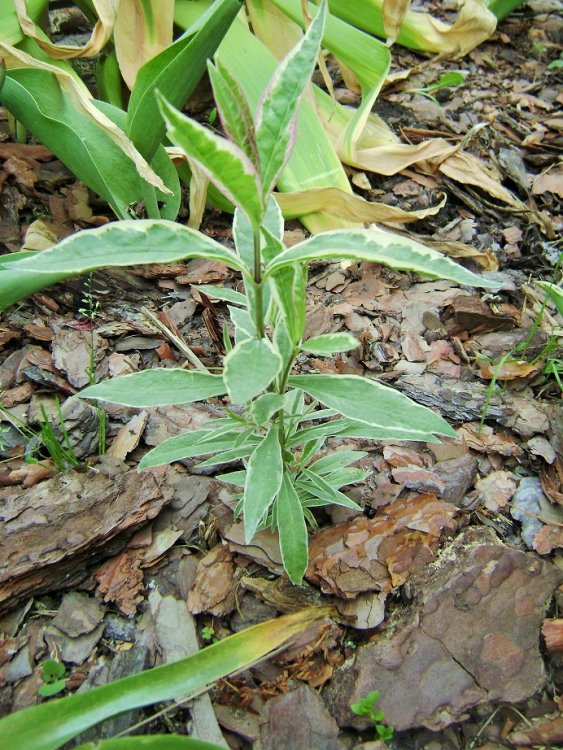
151 204
258 289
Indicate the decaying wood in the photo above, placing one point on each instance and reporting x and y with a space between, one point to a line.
51 533
552 631
465 402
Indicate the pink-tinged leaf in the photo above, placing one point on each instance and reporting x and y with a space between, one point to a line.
234 111
276 117
223 162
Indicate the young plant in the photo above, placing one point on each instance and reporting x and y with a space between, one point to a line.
273 428
366 707
53 674
448 80
50 440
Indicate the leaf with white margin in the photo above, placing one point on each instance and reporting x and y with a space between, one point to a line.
372 403
126 243
330 343
222 162
276 115
249 368
292 529
158 387
264 475
378 246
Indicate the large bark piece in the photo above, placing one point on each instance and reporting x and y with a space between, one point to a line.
465 402
51 533
471 637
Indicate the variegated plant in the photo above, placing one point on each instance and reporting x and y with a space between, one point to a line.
274 427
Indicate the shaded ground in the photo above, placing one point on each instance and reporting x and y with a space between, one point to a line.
442 588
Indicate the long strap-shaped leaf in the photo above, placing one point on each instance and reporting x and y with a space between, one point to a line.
174 73
378 246
153 742
50 725
126 243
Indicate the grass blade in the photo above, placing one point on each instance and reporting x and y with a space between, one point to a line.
276 113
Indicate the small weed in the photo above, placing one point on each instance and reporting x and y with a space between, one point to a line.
552 365
45 443
539 49
448 80
89 309
54 678
366 707
208 634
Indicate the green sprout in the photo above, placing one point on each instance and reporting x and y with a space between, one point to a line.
54 678
366 707
448 80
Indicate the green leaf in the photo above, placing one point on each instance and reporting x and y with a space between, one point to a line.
292 529
234 111
16 285
175 72
342 477
290 291
276 116
52 670
125 243
227 457
51 688
168 205
265 406
330 343
158 387
223 162
186 445
378 246
50 725
249 368
153 742
319 487
37 99
314 161
335 461
264 476
555 292
372 403
237 478
223 293
243 232
243 323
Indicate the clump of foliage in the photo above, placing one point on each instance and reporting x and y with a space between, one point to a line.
366 707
